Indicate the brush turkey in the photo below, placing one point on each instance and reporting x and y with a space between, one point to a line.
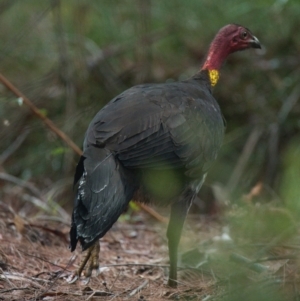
171 132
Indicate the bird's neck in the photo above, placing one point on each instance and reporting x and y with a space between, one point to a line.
216 56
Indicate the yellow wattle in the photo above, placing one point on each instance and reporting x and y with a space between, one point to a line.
213 76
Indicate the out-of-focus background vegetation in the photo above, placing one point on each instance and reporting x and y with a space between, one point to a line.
72 57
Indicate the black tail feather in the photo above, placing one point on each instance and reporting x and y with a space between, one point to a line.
104 190
79 170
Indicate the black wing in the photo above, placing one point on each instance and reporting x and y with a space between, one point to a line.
150 126
158 126
104 190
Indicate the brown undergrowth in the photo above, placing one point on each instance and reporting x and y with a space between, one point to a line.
35 262
242 256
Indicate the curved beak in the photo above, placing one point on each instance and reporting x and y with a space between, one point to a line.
254 42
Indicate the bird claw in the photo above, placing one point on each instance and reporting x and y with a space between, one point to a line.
90 263
85 281
72 278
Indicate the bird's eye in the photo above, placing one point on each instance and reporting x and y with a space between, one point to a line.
244 34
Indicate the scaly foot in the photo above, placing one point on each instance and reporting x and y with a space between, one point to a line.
91 260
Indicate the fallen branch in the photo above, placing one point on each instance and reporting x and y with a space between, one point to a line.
91 293
8 276
9 178
244 158
256 267
51 285
47 207
14 146
152 212
288 104
60 133
181 268
14 289
96 293
53 231
53 219
138 289
40 115
274 242
282 257
55 294
141 265
64 268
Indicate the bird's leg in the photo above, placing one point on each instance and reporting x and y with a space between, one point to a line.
179 212
93 263
92 258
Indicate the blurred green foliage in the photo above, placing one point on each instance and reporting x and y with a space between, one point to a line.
290 187
71 57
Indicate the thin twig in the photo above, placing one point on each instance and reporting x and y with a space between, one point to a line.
53 219
288 104
40 115
45 260
2 276
12 44
65 74
91 296
98 293
138 289
55 295
9 178
37 202
14 146
50 206
20 275
197 269
14 289
273 153
152 212
113 284
22 278
274 242
271 258
53 231
46 290
256 267
60 133
243 159
138 264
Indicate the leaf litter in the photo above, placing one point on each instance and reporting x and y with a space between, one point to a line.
228 257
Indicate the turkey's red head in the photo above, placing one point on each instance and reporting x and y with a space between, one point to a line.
229 39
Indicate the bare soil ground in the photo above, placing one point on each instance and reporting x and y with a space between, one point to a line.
215 265
35 262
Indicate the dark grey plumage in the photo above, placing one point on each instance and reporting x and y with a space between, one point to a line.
167 132
176 126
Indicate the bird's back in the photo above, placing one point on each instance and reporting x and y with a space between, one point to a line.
151 142
156 126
